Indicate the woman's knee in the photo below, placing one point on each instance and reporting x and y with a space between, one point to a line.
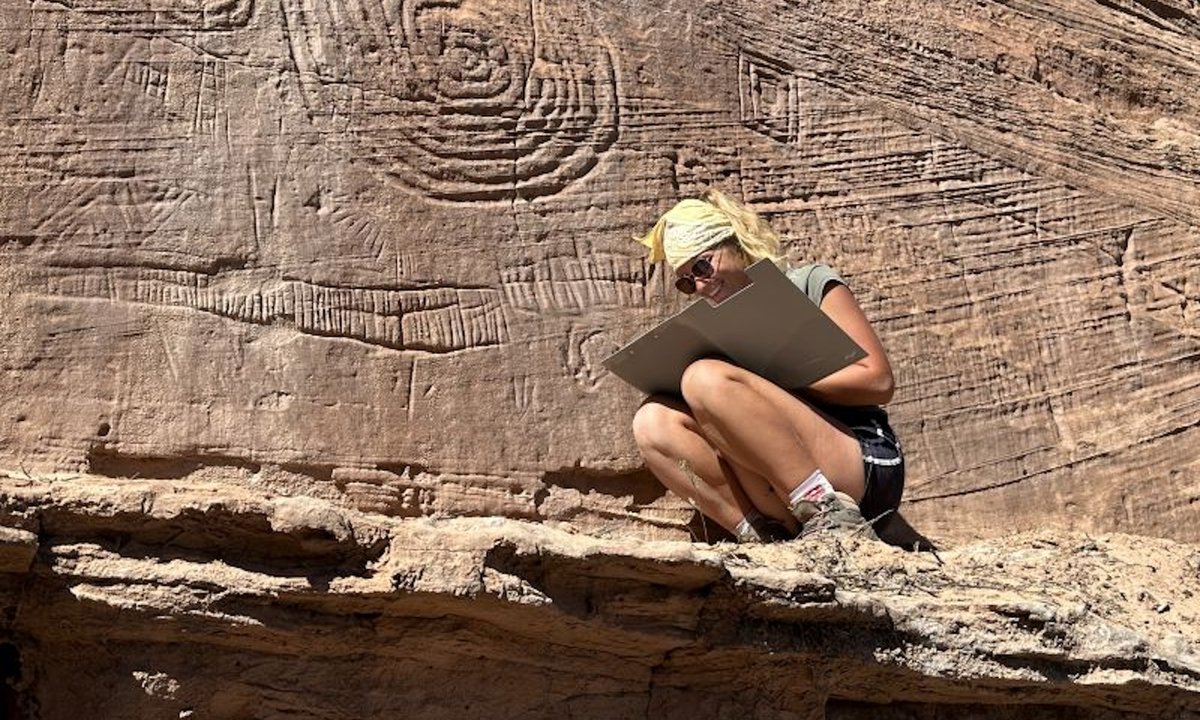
654 424
705 380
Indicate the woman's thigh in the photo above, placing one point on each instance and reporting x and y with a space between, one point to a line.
832 446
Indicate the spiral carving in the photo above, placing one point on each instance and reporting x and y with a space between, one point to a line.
465 103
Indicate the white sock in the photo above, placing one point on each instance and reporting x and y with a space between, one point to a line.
811 490
745 530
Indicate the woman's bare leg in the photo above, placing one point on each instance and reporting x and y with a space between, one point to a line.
765 497
767 430
683 460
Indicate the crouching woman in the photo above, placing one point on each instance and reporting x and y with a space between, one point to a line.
768 462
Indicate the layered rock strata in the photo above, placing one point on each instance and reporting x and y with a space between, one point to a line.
144 599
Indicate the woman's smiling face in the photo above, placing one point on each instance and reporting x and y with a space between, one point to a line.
715 273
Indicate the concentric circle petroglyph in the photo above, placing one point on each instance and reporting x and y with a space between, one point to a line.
462 101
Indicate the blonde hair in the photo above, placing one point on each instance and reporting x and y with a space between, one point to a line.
755 237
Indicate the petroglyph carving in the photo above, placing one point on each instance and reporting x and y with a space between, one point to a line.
769 97
524 390
411 493
210 96
123 212
433 320
498 101
150 77
191 15
202 242
1159 272
573 285
586 351
385 492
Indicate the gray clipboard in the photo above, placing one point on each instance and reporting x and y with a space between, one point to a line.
770 328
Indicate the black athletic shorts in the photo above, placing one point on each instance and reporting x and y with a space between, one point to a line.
883 462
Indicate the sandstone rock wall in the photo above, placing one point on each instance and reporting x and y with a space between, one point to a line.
374 252
302 306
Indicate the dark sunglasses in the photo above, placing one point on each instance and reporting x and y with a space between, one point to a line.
702 269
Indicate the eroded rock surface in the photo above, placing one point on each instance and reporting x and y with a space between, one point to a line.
383 247
302 309
147 599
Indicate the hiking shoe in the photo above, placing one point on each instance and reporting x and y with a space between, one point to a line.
763 530
836 515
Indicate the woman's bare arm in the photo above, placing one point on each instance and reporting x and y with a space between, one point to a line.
866 382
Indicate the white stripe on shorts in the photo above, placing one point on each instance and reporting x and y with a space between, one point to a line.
882 461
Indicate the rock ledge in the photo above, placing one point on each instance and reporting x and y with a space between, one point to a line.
147 599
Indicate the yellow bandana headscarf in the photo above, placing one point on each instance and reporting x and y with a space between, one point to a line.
686 230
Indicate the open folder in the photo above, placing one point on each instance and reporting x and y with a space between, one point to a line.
770 328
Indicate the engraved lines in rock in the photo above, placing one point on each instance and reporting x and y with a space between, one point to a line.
433 320
586 350
107 217
525 106
768 97
1008 353
149 77
974 75
168 16
1160 274
574 285
471 102
1080 312
210 96
977 232
365 229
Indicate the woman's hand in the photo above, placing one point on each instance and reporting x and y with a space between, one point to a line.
866 382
